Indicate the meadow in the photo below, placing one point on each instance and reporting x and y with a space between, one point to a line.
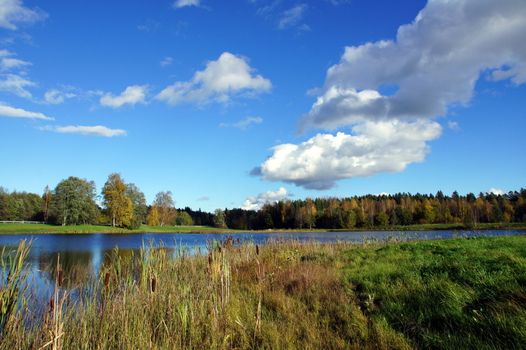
457 293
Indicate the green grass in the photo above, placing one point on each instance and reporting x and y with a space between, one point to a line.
45 228
451 294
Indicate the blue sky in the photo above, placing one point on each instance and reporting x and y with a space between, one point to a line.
235 103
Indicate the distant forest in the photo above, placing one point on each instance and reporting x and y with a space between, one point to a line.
74 201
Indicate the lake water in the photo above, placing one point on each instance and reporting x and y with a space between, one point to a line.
89 250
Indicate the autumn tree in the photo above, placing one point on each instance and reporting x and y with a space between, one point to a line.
117 201
165 206
153 217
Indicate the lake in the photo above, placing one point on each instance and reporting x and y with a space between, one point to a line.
90 250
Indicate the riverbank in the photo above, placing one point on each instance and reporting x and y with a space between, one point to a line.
84 229
456 293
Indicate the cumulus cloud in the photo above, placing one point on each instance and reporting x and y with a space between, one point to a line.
16 84
8 63
13 12
97 130
131 95
388 92
243 124
434 63
256 202
56 96
186 3
228 76
13 112
292 17
496 191
374 147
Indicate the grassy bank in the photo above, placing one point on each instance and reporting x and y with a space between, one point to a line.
79 229
460 293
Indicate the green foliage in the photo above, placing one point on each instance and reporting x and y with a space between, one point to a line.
117 201
183 219
219 218
74 202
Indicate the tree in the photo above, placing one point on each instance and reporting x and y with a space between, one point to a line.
153 217
219 218
74 202
183 219
117 202
165 205
140 209
46 197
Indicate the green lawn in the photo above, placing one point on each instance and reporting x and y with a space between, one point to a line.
45 228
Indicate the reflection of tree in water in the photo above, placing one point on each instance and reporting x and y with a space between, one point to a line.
76 267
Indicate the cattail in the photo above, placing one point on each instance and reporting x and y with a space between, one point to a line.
257 249
107 279
209 260
59 277
51 305
154 283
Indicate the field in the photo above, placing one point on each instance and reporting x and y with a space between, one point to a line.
458 293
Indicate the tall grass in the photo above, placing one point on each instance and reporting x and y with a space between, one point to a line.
287 295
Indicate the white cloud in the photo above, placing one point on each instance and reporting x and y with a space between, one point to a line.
228 76
186 3
292 17
453 125
97 130
13 112
496 191
131 95
55 96
388 92
374 147
9 63
16 85
165 62
255 203
13 12
243 124
434 62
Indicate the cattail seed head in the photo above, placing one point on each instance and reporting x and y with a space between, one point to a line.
51 305
59 277
153 285
106 279
257 249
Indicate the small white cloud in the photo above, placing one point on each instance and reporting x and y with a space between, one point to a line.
16 85
228 76
453 125
165 62
186 3
13 112
496 191
97 130
9 63
255 203
203 199
55 96
13 12
131 95
292 17
373 147
244 123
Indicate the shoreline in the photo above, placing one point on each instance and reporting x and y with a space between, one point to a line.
36 229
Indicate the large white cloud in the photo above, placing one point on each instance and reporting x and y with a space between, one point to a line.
13 12
433 63
390 91
228 76
374 147
96 130
256 202
131 95
13 112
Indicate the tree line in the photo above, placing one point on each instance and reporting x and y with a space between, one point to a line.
74 201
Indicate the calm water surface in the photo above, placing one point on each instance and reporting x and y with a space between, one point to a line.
89 250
